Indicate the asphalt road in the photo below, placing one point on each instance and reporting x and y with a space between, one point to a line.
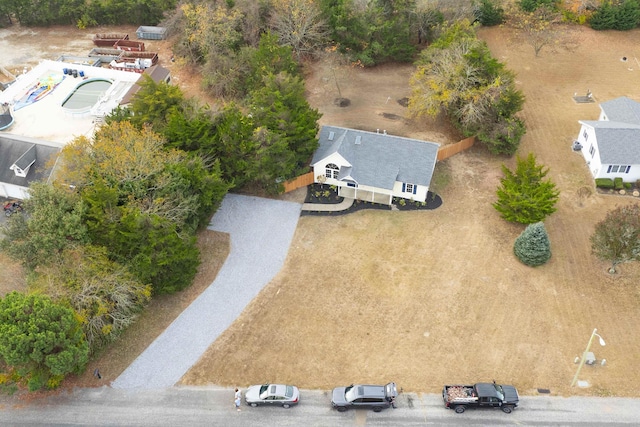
181 406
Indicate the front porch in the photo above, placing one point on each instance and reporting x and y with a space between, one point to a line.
365 195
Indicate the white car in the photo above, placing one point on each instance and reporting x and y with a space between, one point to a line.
272 394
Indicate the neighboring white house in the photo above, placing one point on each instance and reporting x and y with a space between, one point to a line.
611 144
22 161
374 166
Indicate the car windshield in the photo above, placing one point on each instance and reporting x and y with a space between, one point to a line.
499 391
289 392
350 394
264 391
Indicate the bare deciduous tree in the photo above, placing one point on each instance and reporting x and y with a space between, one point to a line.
539 29
617 237
104 295
298 23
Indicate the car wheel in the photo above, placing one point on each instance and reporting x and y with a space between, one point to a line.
377 409
341 409
507 409
459 409
253 405
286 406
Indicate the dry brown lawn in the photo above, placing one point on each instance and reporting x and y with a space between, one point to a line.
427 298
433 297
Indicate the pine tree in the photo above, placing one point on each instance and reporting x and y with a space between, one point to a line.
532 246
41 339
524 195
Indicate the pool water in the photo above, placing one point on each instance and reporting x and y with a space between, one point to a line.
86 94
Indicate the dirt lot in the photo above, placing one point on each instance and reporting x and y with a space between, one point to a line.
433 297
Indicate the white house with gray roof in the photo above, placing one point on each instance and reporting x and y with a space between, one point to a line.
611 144
374 166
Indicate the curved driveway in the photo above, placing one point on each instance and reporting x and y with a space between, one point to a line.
260 231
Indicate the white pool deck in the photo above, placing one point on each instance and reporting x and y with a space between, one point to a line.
46 119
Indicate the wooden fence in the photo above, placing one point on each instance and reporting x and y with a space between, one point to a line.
451 149
300 181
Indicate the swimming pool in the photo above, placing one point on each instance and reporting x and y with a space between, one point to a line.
86 95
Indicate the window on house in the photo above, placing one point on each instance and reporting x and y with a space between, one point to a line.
331 171
592 150
586 135
409 188
618 169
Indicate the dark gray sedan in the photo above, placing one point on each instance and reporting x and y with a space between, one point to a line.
272 394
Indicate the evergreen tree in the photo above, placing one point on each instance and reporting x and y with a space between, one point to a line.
524 196
532 246
54 223
604 18
42 340
489 13
627 15
281 109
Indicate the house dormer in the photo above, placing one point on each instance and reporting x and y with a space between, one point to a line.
21 166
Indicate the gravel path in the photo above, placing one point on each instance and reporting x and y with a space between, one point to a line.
261 231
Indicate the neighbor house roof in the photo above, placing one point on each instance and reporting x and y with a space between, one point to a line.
15 149
157 74
622 109
378 159
618 143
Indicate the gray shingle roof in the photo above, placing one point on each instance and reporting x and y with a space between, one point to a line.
618 143
13 148
622 109
378 159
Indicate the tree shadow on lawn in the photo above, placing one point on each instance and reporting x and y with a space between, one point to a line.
328 194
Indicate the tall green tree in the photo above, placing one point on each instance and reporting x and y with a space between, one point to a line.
155 251
532 246
628 15
604 18
371 32
280 107
616 238
489 12
154 103
524 195
42 340
52 223
235 145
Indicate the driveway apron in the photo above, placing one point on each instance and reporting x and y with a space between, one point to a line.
260 232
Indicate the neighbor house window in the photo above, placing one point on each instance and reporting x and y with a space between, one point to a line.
618 169
408 188
586 135
592 150
331 171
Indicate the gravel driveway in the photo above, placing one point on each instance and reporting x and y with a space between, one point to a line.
261 231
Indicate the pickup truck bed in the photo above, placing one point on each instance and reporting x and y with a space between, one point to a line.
480 395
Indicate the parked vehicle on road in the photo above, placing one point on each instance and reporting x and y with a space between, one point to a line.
272 394
480 395
375 397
